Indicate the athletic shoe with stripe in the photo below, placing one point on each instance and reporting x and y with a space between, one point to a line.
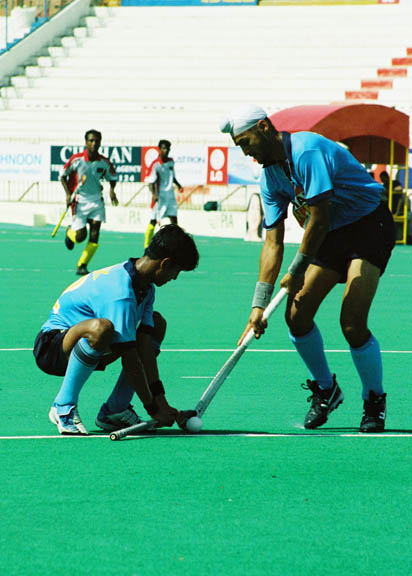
110 421
68 424
323 402
374 413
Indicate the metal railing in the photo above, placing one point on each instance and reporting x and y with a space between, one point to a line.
19 17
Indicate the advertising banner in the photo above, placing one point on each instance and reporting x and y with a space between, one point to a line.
29 162
217 164
242 169
149 155
126 160
189 2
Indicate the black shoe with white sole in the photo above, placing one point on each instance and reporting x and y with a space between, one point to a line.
323 402
374 413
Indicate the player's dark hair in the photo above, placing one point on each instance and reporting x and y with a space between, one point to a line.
173 242
95 132
164 143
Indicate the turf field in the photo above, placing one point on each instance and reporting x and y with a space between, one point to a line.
253 494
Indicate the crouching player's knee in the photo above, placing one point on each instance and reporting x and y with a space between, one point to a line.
100 333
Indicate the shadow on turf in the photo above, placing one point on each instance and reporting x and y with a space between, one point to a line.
321 432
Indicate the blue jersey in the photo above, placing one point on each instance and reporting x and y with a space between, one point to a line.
111 293
319 168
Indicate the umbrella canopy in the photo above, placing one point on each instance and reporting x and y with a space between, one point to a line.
366 129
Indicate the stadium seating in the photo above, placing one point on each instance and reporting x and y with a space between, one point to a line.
141 73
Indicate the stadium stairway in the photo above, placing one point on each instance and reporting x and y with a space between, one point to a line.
138 74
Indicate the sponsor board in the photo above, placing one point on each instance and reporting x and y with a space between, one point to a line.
126 160
30 162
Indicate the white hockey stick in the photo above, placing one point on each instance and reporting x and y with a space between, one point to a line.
228 366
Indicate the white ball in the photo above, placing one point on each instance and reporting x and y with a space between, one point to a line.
194 424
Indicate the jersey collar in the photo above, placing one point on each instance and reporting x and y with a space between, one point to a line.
86 156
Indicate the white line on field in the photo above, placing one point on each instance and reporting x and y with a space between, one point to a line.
253 350
224 435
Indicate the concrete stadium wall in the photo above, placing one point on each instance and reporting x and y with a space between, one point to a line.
224 224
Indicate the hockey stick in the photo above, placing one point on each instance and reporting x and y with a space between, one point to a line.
141 427
217 381
228 366
59 223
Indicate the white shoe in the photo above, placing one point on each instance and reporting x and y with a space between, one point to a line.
68 424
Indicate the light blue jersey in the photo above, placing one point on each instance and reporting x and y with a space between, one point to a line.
111 293
319 168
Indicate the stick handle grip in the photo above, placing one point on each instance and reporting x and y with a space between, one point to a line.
136 428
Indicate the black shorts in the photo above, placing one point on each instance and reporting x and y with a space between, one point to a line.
371 238
48 352
49 355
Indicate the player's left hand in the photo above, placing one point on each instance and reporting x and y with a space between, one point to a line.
293 284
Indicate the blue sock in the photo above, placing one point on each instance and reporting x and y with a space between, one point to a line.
368 362
121 396
310 349
83 360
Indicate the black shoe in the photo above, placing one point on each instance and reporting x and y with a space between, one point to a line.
323 402
69 243
82 270
374 413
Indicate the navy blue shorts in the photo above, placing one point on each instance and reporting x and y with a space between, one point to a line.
49 355
48 352
371 238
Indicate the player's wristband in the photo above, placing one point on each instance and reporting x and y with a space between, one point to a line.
262 295
152 408
299 264
157 388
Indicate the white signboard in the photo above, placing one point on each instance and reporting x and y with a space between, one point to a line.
30 162
190 164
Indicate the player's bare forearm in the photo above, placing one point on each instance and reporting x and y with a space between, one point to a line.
271 256
154 190
313 237
113 197
178 184
136 375
147 355
66 189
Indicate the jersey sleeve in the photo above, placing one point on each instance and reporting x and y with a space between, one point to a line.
68 168
123 314
151 177
316 175
275 204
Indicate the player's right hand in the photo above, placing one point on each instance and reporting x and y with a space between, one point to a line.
68 199
256 322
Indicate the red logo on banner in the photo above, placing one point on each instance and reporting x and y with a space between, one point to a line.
217 165
388 1
149 155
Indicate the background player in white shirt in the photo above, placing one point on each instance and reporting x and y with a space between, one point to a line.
161 179
82 176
